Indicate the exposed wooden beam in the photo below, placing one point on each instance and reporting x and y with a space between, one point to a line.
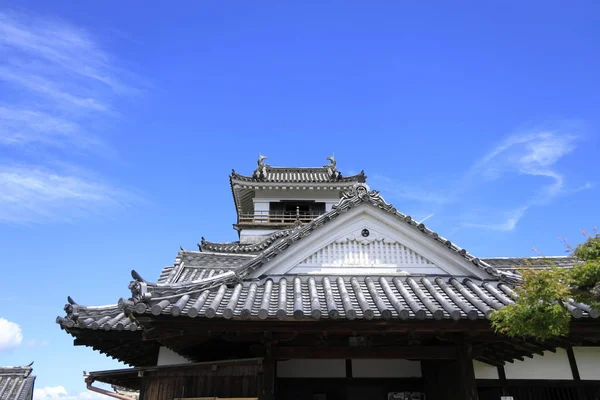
466 375
573 364
406 352
164 322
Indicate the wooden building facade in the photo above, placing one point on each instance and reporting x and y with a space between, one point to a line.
331 293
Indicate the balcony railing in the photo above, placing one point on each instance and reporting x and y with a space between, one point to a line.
285 217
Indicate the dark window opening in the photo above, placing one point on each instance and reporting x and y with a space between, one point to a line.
291 210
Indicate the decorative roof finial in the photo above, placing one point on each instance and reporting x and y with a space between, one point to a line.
261 169
261 159
333 163
332 168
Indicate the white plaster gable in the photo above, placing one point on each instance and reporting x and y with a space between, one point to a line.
391 247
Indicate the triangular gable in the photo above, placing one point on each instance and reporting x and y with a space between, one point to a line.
365 240
353 255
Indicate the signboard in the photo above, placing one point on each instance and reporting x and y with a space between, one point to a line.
507 398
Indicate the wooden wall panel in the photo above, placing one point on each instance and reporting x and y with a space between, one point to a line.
226 381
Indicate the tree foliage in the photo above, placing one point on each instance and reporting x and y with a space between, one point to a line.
540 309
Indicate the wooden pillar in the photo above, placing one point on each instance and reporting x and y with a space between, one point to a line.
268 375
503 382
439 379
467 386
581 391
451 379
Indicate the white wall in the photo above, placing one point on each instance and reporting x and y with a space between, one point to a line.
485 371
549 366
311 369
167 356
588 362
303 194
393 368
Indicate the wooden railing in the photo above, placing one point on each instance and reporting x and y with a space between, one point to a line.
266 217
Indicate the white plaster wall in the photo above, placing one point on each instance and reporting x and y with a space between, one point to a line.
167 356
301 194
392 368
549 366
588 362
485 371
261 206
311 369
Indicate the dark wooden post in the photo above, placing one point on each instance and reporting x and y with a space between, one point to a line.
467 386
439 379
503 382
268 375
575 372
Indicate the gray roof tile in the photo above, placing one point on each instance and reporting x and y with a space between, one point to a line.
318 297
326 174
516 263
16 383
192 266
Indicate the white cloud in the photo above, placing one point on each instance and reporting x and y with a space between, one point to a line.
410 192
58 86
60 393
10 334
56 44
509 224
30 194
534 155
426 218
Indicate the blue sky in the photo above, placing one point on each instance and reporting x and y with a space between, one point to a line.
120 122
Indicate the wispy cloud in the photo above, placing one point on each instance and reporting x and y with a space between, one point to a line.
509 223
532 154
58 83
60 393
29 194
410 192
426 218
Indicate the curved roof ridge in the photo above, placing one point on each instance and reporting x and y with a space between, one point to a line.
525 257
325 174
314 177
235 247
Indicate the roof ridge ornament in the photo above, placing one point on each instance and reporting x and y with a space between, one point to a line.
261 168
332 168
362 192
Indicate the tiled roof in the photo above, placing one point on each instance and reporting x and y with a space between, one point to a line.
237 247
191 266
16 383
321 298
109 317
325 174
212 283
516 263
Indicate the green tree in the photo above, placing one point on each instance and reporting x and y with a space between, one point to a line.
543 297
